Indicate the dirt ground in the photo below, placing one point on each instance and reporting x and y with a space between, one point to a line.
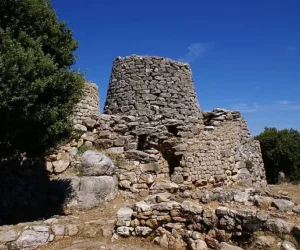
293 190
107 214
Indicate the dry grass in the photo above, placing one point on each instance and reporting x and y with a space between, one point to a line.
293 190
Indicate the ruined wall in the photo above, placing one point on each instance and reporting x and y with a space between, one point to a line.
224 153
89 105
153 89
159 139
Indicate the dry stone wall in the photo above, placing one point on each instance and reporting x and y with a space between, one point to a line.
160 139
89 104
189 224
152 89
223 153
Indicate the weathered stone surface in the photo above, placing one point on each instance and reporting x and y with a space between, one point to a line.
161 197
96 189
124 214
283 204
58 230
279 226
143 231
125 231
199 245
80 127
263 201
142 206
296 209
191 207
72 230
32 239
7 236
140 156
226 246
150 167
96 164
286 245
60 166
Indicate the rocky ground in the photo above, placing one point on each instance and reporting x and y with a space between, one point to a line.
93 229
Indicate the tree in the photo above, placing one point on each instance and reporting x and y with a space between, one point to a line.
38 86
281 152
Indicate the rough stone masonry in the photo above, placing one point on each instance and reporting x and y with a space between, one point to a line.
156 135
157 95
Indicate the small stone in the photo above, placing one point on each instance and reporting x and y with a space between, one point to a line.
143 231
80 127
71 230
58 230
49 167
200 245
296 209
60 166
125 231
191 207
41 228
80 143
73 151
225 246
51 221
163 197
142 206
286 245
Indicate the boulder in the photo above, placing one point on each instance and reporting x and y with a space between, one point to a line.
96 164
95 190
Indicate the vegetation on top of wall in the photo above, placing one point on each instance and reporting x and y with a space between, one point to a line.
38 87
281 152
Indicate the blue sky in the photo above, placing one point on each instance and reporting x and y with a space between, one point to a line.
244 54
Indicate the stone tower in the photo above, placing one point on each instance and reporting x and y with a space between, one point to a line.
88 105
152 89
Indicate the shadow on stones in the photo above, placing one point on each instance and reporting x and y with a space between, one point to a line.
27 193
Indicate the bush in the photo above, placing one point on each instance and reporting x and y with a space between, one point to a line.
38 88
280 152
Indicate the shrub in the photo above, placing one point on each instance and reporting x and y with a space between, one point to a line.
38 87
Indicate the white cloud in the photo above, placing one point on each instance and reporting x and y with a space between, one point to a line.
195 50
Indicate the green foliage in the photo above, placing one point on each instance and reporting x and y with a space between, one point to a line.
281 152
38 88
